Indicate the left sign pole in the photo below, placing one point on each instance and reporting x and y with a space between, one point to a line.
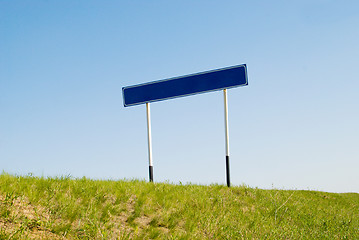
149 141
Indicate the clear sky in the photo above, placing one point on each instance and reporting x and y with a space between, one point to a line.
295 126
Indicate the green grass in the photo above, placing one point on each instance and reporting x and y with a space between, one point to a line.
65 208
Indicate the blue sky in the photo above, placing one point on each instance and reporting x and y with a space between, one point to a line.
295 126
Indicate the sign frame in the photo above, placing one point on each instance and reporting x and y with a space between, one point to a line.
197 78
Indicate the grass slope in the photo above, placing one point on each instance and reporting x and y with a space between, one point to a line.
64 208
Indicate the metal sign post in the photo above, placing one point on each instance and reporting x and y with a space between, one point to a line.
214 80
226 133
149 141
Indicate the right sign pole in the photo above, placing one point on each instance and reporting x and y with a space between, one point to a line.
226 133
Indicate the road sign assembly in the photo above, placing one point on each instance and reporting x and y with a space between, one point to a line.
214 80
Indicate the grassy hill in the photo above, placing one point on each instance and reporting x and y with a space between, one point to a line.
65 208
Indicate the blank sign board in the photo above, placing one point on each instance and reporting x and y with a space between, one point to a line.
218 79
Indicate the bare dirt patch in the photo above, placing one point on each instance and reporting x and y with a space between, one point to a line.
20 219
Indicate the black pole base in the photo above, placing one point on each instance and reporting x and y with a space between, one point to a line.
151 173
227 172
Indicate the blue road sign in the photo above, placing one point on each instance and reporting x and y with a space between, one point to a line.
185 85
